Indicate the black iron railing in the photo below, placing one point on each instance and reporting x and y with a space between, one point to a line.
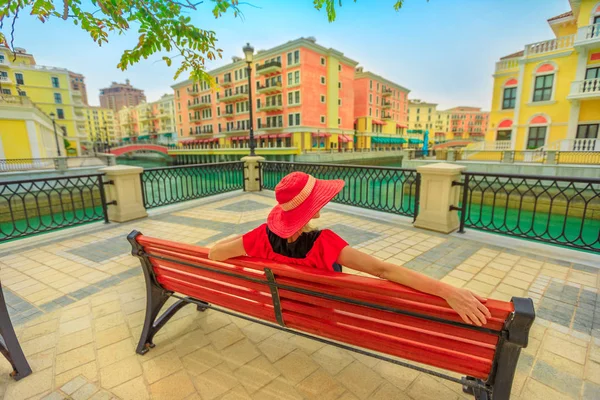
169 185
29 207
388 189
557 210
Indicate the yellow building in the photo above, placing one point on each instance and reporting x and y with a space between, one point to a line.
422 116
49 88
149 121
26 131
548 95
101 125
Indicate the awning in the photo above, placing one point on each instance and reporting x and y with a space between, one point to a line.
387 140
344 139
477 134
143 137
272 136
126 139
417 131
440 133
377 122
285 135
401 126
415 141
167 135
321 135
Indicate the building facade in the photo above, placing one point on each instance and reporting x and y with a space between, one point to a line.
422 116
26 131
49 89
146 121
548 95
380 111
101 125
78 83
119 95
303 96
465 123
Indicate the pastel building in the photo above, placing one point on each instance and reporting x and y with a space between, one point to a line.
303 96
101 125
547 96
49 89
148 121
465 123
422 116
380 111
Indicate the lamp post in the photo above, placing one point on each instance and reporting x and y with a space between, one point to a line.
107 143
55 134
249 53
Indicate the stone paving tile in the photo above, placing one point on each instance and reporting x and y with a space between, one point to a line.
91 329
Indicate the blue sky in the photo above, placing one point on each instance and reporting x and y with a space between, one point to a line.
444 51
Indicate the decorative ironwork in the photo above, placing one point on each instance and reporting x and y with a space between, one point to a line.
29 207
578 157
557 210
388 189
169 185
25 164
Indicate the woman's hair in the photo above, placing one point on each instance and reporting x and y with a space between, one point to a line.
308 228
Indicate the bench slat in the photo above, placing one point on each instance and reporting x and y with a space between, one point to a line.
418 352
486 340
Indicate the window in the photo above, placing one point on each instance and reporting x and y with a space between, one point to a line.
322 98
377 100
55 82
294 98
60 113
294 119
509 99
377 112
297 57
19 78
589 131
543 88
322 60
370 113
322 80
258 104
537 136
57 98
289 58
322 119
5 91
339 121
339 102
22 93
339 85
371 85
370 98
378 86
340 67
504 135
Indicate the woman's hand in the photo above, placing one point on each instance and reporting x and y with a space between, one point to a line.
468 305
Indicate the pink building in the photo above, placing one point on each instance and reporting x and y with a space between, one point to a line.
468 122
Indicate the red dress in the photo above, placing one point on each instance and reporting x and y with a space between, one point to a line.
317 249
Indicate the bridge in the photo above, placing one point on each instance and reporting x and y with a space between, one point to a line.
132 148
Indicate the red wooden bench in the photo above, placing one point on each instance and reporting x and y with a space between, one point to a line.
366 315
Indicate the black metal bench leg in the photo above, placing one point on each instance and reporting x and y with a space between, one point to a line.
477 393
9 344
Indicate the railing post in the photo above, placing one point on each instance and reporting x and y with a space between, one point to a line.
252 173
439 197
508 156
551 157
451 155
61 163
124 193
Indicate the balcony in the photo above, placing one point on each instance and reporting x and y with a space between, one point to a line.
507 65
269 68
4 62
5 79
233 97
200 105
228 114
193 91
588 36
196 119
386 117
270 127
386 104
268 107
588 89
549 46
386 92
269 89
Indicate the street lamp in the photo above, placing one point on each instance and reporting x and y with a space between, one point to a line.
249 53
55 135
107 142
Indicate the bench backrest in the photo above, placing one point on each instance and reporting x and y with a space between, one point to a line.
366 312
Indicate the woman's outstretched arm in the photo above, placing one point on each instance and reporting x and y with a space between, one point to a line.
227 248
467 304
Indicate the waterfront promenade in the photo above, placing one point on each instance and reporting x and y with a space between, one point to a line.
77 299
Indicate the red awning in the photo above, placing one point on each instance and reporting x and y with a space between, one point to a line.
401 126
344 139
477 134
321 134
441 133
377 122
272 136
285 135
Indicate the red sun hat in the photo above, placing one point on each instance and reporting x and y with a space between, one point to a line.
300 197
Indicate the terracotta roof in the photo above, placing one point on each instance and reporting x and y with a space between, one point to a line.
563 15
513 55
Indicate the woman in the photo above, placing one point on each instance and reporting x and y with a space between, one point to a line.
287 238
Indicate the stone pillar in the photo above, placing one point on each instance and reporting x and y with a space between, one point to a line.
61 163
451 155
125 191
551 157
437 195
252 173
507 156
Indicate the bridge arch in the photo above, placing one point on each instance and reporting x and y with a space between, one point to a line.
133 148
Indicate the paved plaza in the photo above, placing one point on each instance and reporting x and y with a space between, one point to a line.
77 299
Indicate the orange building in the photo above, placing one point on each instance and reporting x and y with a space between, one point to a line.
303 96
467 123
